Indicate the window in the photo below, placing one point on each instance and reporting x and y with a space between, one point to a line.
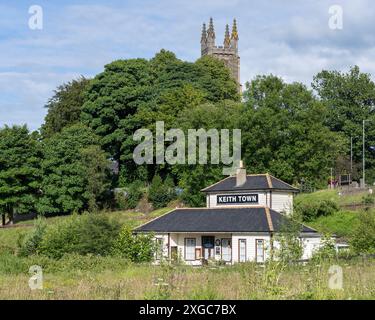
190 248
226 250
259 250
159 248
242 250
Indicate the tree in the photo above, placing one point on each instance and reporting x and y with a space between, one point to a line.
64 108
363 238
74 171
133 94
284 132
160 193
194 177
350 99
20 156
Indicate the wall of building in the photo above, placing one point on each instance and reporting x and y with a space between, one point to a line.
263 199
282 202
250 246
310 245
279 201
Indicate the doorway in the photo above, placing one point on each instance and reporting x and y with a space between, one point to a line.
208 245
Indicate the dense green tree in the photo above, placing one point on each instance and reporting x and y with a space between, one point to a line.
160 193
194 177
284 132
133 94
64 108
350 99
19 171
74 171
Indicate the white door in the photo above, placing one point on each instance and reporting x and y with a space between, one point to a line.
226 250
260 250
242 250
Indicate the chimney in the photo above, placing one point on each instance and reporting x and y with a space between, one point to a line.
240 175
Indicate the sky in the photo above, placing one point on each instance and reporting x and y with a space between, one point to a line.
288 38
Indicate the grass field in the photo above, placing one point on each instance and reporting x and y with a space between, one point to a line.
93 277
108 278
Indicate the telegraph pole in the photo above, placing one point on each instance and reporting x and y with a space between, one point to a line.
351 156
363 154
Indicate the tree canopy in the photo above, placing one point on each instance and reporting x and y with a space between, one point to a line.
20 173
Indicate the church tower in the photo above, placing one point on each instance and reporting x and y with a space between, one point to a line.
228 52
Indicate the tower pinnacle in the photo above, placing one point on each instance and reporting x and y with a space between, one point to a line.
234 30
227 37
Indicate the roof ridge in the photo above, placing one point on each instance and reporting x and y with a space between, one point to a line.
269 219
216 183
143 224
223 207
282 181
269 180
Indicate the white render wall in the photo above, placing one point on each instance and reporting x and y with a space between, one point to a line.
250 246
310 245
282 202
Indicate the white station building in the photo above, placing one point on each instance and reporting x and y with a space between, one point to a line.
242 216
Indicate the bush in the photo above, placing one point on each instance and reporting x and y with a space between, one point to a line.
86 234
30 243
363 238
368 200
135 248
160 194
129 198
309 211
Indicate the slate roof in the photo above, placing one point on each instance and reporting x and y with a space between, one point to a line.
244 219
253 182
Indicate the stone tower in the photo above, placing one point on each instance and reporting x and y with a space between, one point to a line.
228 52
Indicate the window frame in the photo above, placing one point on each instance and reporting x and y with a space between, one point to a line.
194 247
256 249
239 250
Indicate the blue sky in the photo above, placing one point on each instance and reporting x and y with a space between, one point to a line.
288 38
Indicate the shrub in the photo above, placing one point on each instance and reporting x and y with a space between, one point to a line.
368 200
86 234
136 248
326 252
30 243
161 193
131 195
363 238
309 211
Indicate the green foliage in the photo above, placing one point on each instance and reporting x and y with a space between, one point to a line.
368 199
132 94
284 132
136 248
20 173
74 171
289 249
326 251
161 193
64 108
363 237
309 211
129 197
30 243
341 223
350 98
85 234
